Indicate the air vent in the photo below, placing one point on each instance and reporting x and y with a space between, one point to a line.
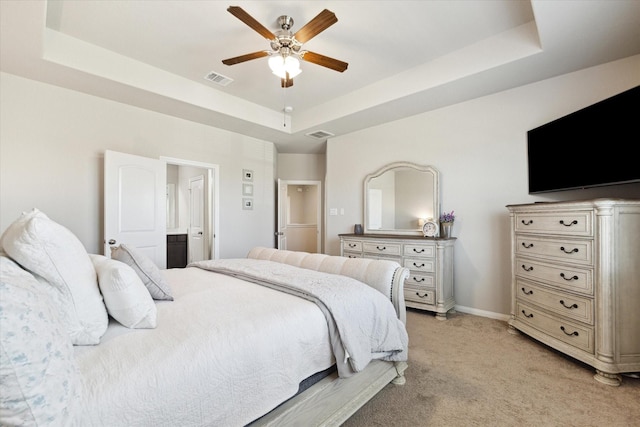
320 134
218 78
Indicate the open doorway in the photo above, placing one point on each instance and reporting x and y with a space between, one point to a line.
299 216
192 208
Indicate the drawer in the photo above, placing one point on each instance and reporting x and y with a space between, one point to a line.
420 265
352 254
579 336
416 279
574 251
566 278
349 245
382 248
571 306
569 223
425 296
427 251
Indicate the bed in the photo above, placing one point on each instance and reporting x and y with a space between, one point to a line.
276 338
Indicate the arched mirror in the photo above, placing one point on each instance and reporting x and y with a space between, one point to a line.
399 197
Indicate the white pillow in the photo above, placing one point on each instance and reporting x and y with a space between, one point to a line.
38 372
127 299
53 252
146 269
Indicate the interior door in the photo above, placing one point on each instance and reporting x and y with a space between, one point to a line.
281 233
196 219
135 204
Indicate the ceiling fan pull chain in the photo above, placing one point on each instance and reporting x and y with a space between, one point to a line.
284 106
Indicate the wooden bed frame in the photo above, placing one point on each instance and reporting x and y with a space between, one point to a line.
332 400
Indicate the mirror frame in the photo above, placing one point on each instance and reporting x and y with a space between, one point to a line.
397 165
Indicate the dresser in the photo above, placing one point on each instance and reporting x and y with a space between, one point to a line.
576 280
430 261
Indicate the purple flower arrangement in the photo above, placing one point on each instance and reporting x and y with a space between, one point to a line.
447 217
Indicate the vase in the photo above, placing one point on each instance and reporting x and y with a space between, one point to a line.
445 229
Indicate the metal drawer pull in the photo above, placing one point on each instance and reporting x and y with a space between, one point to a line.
527 292
352 256
418 251
526 268
574 333
418 266
568 279
384 248
524 245
527 222
574 250
568 306
422 296
574 222
353 245
527 315
415 279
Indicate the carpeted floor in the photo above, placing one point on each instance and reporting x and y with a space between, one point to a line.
469 371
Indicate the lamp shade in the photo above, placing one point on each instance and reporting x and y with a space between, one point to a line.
281 65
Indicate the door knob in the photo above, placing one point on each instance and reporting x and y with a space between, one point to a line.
112 242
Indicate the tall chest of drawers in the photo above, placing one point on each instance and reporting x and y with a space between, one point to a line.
576 280
430 261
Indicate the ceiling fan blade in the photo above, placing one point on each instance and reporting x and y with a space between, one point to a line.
244 58
321 22
239 13
325 61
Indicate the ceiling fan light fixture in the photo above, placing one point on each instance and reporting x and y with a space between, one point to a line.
281 65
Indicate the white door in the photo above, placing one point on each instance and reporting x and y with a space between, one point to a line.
196 219
281 233
135 204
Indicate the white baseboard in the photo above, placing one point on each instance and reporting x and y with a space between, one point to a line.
483 313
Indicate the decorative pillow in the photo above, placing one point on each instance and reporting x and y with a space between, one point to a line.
146 270
53 252
39 376
125 296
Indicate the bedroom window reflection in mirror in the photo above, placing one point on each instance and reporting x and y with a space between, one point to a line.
398 197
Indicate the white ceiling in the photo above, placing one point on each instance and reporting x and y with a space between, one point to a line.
405 57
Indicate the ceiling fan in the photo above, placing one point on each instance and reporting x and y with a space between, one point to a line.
286 47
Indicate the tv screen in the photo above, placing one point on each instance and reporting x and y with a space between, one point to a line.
591 147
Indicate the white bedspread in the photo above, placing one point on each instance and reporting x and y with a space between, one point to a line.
363 324
225 351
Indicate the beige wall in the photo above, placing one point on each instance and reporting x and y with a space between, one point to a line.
479 147
52 143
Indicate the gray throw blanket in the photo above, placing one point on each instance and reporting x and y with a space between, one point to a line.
363 324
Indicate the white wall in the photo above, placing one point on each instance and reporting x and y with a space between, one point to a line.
479 147
52 143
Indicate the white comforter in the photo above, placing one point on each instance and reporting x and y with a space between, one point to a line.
225 351
363 324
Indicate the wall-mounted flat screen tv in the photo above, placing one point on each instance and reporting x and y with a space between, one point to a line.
592 147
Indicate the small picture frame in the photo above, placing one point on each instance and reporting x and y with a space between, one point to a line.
247 189
247 204
247 175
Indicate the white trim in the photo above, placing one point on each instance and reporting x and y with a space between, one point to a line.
483 313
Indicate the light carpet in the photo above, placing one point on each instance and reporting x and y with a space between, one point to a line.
469 371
